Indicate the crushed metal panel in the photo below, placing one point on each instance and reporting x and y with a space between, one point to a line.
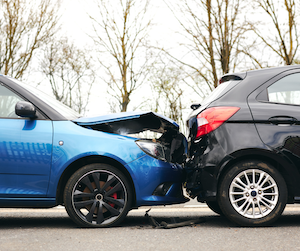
129 123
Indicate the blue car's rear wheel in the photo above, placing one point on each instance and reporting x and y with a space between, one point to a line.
97 195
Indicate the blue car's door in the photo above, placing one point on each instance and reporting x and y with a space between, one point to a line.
25 151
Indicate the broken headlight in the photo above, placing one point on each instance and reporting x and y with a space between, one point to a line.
153 149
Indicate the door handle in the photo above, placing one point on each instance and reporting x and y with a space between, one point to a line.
282 120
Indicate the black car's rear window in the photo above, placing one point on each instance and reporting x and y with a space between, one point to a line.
220 91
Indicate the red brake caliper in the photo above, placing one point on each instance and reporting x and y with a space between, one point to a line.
115 197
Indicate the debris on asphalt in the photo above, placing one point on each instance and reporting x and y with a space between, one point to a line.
174 222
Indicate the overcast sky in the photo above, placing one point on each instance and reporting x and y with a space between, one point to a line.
77 23
165 31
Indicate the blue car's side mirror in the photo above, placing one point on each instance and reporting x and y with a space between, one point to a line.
25 109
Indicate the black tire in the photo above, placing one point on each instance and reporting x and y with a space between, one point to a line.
252 202
98 195
214 206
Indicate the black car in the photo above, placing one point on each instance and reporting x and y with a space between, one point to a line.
244 146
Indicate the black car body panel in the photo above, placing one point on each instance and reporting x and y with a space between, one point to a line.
260 130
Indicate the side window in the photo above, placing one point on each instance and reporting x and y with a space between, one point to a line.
286 90
8 100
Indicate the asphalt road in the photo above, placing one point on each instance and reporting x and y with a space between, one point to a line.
52 229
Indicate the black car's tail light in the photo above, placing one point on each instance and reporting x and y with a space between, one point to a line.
211 118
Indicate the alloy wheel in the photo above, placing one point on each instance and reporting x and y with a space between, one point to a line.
99 197
253 193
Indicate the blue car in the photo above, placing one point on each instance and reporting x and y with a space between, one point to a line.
98 168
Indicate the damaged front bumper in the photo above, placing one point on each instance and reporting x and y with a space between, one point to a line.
159 182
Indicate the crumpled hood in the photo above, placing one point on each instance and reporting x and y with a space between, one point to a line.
129 122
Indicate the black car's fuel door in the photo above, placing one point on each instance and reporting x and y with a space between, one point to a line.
275 107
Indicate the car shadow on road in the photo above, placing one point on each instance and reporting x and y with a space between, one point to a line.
209 222
131 221
36 222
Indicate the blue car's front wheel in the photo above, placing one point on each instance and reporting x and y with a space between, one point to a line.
98 195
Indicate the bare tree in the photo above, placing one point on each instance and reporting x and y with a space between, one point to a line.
168 89
283 39
70 73
121 30
214 30
25 26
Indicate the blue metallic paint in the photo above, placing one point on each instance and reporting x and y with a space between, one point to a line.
36 153
149 173
146 172
25 157
121 116
78 142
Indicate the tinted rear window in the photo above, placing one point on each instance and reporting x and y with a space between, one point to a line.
220 91
286 90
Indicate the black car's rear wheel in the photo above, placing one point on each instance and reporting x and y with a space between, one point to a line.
214 206
97 195
252 193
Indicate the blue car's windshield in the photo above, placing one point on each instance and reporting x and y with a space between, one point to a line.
64 110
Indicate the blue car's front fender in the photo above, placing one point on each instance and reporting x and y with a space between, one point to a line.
72 142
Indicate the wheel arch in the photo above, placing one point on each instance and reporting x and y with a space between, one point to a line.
267 157
74 166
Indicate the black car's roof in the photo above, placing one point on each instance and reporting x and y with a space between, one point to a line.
252 80
271 71
246 82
